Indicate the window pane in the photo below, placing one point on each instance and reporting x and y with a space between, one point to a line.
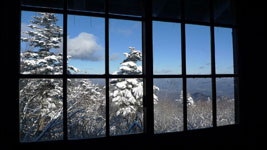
41 43
40 107
86 45
44 3
168 105
126 8
170 9
125 47
198 56
86 5
86 108
167 47
225 101
224 50
126 106
199 103
223 12
197 10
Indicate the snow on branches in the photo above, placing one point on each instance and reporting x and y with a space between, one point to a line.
45 33
41 99
127 93
44 36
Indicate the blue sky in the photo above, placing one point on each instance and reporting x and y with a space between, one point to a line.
86 44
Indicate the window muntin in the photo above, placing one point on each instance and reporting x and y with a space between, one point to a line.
212 75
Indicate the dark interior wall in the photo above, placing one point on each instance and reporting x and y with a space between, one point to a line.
251 38
252 50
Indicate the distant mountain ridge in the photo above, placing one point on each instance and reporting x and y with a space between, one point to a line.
200 89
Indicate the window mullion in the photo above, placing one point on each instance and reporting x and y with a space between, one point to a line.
107 66
214 102
148 70
183 54
65 68
213 68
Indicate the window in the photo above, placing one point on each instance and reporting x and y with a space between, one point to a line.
94 69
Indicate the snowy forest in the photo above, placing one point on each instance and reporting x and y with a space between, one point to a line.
41 99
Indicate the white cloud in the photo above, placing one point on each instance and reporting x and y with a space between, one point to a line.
85 47
114 56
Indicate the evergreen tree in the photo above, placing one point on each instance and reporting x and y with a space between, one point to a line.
41 103
127 93
190 100
45 33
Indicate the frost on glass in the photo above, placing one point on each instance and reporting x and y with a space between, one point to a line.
124 34
41 43
224 50
86 44
199 112
86 106
225 101
198 54
166 48
40 107
168 111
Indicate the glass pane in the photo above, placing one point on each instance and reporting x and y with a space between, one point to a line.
170 9
125 47
126 8
86 45
225 101
199 103
44 3
40 107
198 56
167 47
168 105
224 50
197 10
86 108
41 43
223 12
126 106
87 5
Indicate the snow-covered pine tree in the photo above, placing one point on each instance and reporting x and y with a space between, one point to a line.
127 93
44 36
190 100
86 109
41 99
45 33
